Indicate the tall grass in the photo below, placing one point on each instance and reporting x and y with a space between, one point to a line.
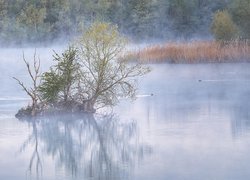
193 52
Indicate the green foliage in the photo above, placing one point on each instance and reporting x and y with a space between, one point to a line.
67 68
57 83
31 20
105 77
139 18
182 15
48 20
223 28
50 87
240 10
90 75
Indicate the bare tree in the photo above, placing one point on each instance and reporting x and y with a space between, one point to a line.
105 77
34 75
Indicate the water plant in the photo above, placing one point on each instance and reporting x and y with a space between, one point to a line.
193 52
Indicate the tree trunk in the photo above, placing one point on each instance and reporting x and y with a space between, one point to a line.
34 107
88 106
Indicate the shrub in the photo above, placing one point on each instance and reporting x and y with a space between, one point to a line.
223 28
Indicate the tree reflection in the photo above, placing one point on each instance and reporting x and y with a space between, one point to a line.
100 147
35 159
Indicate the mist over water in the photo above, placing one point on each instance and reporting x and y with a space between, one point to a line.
195 126
12 65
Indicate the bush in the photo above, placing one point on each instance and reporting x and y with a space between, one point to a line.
223 28
57 83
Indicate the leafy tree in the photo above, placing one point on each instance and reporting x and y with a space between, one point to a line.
137 18
48 20
3 14
223 28
240 10
68 69
142 17
57 84
105 77
50 87
181 13
31 19
110 10
3 9
87 77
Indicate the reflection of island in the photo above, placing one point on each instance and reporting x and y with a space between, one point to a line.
86 146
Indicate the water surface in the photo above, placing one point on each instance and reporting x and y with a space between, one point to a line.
195 126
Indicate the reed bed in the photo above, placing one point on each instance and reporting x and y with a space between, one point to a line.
193 52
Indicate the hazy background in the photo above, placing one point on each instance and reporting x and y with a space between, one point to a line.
54 21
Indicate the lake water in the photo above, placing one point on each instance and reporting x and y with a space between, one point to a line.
195 126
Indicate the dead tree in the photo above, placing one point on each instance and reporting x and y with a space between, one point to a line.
34 75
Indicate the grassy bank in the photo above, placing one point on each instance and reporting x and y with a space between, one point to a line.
193 52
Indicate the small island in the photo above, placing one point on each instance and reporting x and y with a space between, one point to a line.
88 75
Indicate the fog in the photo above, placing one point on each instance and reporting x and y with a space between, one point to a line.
187 121
196 125
12 65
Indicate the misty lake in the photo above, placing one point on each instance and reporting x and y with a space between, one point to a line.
196 125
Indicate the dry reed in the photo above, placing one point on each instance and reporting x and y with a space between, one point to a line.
193 52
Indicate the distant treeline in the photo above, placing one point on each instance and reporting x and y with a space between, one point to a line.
49 20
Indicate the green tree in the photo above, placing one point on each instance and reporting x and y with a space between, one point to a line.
57 84
50 87
68 69
240 10
138 18
105 77
3 17
223 28
49 20
31 19
182 16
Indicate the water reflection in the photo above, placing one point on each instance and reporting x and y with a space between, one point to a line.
240 118
198 130
99 147
222 96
